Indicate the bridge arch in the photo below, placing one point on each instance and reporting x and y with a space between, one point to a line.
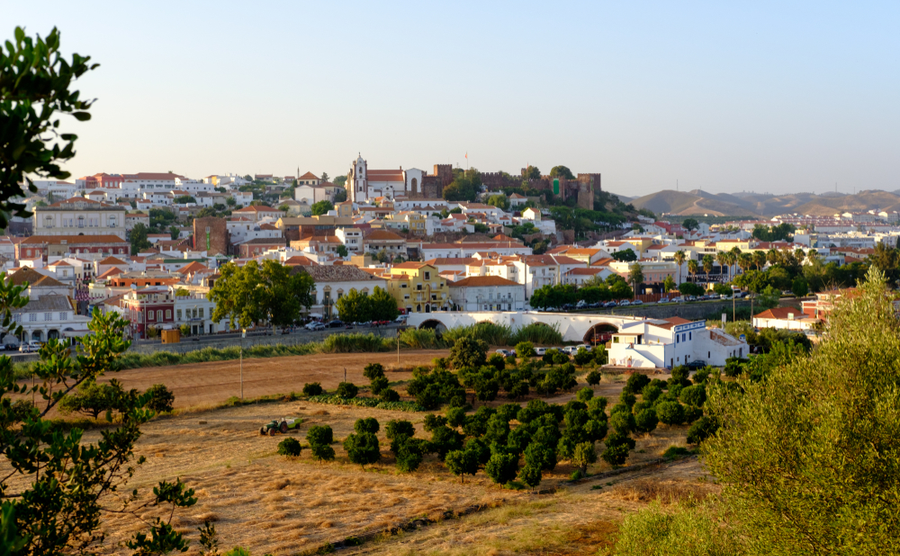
600 333
433 324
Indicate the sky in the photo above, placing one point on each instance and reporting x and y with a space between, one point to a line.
759 96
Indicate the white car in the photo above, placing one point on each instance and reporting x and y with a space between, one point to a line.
29 347
540 351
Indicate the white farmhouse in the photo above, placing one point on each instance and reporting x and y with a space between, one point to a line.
667 343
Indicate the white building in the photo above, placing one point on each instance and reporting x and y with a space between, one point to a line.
80 215
667 343
487 293
363 183
332 282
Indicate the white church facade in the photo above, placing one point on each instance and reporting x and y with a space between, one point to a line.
364 184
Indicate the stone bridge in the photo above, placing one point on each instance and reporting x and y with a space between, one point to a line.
574 327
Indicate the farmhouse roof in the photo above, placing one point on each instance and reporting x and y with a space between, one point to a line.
481 281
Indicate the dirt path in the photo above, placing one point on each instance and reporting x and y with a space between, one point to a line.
211 383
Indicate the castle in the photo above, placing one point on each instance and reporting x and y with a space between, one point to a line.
363 183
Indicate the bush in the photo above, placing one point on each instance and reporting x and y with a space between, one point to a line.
692 413
461 463
735 366
636 382
670 413
651 393
597 408
497 361
373 371
366 424
410 453
623 423
524 350
673 452
502 468
362 448
390 395
583 357
585 454
347 390
646 420
398 427
601 357
693 395
560 358
379 385
289 447
355 343
445 440
593 377
680 375
619 408
701 429
536 333
161 399
701 376
627 398
468 352
312 389
456 416
576 475
320 434
585 394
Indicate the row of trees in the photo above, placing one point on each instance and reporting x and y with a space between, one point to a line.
593 290
362 307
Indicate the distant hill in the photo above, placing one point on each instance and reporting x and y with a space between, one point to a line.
684 203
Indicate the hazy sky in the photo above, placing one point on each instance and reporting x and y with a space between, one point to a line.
725 96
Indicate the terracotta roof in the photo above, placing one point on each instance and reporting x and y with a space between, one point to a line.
672 322
192 267
780 313
59 263
308 176
153 176
382 235
385 175
299 260
75 240
410 264
24 275
112 260
451 261
476 281
335 273
585 271
257 208
114 271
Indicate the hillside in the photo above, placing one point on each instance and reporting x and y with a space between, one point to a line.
695 202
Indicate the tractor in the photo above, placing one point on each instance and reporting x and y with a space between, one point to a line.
280 425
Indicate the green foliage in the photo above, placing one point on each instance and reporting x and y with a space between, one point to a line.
585 454
289 447
585 394
361 307
593 377
322 207
366 424
396 428
352 343
690 288
769 298
410 452
701 429
675 452
462 462
561 172
693 395
670 413
583 357
502 467
780 232
347 390
389 395
525 350
35 82
92 399
646 420
421 338
651 393
464 187
431 388
681 530
468 352
255 293
636 382
362 448
312 389
138 237
42 514
531 475
445 440
379 385
161 399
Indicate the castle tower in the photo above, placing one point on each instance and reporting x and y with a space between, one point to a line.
359 190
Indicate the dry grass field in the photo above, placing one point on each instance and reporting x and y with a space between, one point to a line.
273 504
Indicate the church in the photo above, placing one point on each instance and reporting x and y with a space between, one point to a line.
364 184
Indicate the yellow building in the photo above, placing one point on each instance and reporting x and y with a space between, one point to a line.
418 288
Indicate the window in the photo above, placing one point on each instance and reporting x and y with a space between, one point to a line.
32 317
159 315
48 317
150 315
201 312
178 314
63 316
168 313
427 275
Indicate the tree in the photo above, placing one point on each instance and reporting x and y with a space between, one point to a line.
161 399
468 352
362 448
500 201
708 263
138 238
340 195
561 172
342 251
324 176
626 255
252 293
769 298
670 413
35 80
693 267
461 463
689 288
347 390
322 207
502 467
320 438
584 455
531 173
230 202
183 199
174 232
668 284
690 224
464 187
340 181
56 490
636 275
799 286
679 257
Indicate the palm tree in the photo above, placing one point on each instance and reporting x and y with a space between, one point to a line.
759 259
772 256
799 255
722 259
708 262
693 267
735 255
812 254
745 260
679 258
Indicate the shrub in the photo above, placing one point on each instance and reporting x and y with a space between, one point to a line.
576 475
627 398
622 422
600 355
651 393
593 377
373 371
615 455
548 356
536 333
559 358
597 408
366 424
673 452
502 468
379 385
583 357
680 375
636 382
410 453
585 454
398 427
354 343
646 420
424 338
497 361
362 448
595 430
701 376
320 434
692 413
445 440
670 413
693 395
461 463
585 394
390 395
161 399
456 416
524 350
619 407
289 447
735 366
347 390
701 429
312 389
468 352
531 475
480 448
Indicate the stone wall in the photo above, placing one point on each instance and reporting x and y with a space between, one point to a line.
689 311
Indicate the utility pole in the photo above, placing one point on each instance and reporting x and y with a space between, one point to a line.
243 335
398 345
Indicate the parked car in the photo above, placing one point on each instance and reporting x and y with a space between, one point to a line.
637 302
29 347
315 326
336 323
624 303
504 352
540 351
695 364
609 304
401 318
587 347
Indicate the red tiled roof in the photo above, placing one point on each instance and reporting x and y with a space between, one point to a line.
74 240
477 281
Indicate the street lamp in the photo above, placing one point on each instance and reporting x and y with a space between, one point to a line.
243 335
